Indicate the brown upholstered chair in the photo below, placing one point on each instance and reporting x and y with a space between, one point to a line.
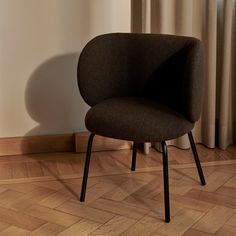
143 88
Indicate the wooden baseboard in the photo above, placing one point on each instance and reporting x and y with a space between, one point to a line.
58 143
100 143
37 144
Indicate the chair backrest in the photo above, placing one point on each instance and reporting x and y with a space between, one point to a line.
166 68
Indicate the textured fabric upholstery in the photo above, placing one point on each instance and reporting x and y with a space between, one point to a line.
136 119
157 77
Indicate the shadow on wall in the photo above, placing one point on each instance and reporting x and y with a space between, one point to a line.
52 97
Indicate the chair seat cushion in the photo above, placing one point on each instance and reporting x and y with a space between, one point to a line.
136 119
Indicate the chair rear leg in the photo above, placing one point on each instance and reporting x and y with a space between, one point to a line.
134 154
196 158
86 167
166 182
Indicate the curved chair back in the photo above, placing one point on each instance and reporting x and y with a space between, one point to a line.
166 68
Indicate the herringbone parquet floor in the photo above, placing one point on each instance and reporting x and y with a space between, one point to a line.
39 194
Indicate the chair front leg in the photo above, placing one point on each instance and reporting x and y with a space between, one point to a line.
134 154
86 167
196 158
166 182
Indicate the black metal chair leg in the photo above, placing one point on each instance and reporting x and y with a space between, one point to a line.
134 154
166 182
196 158
86 167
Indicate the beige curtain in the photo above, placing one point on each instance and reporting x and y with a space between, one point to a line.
214 23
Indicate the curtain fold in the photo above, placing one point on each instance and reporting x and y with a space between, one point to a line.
214 23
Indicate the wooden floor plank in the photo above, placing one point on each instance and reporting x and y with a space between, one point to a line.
214 219
64 167
217 199
30 199
145 226
83 228
39 194
119 208
231 182
20 219
232 220
5 171
114 227
3 226
180 223
226 230
191 203
228 191
151 189
54 200
98 190
52 216
216 180
13 230
34 169
124 190
21 187
19 170
49 168
194 232
53 185
48 229
9 196
83 211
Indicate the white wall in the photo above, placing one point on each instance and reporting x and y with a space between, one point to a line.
39 48
109 16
